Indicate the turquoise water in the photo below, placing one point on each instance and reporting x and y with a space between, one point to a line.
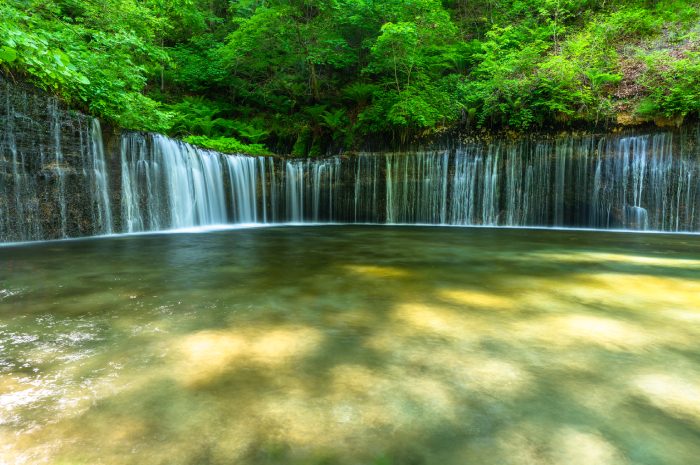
352 345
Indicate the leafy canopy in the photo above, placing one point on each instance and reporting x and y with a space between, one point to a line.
309 76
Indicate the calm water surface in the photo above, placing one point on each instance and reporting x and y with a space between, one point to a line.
352 345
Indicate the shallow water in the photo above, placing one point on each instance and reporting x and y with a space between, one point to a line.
352 345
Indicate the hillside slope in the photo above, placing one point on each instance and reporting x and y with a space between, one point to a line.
308 76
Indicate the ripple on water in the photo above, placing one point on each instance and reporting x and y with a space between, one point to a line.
7 293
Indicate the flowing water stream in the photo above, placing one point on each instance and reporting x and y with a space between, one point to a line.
352 345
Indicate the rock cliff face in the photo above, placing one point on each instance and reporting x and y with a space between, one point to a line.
62 175
49 168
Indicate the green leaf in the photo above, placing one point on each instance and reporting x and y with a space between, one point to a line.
7 54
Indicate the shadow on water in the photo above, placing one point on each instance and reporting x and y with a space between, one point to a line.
352 345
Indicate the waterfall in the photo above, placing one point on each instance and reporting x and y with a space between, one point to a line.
325 189
305 190
416 187
645 182
295 187
54 178
57 180
243 180
95 169
464 188
168 184
59 168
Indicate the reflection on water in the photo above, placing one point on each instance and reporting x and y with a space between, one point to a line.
352 345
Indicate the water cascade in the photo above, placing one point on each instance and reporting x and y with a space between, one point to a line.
58 178
54 181
95 169
243 181
311 190
642 182
167 184
59 168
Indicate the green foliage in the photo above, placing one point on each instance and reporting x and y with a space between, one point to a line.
313 75
673 85
196 65
396 52
196 115
35 52
227 145
335 121
7 54
555 71
302 144
88 54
